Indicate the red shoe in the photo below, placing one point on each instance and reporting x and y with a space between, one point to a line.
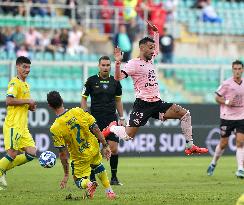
111 195
106 131
196 150
90 190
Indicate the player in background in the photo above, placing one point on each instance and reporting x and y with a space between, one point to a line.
148 103
106 96
75 131
230 96
17 137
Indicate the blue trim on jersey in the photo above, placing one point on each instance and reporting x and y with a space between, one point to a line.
99 169
29 157
9 158
10 95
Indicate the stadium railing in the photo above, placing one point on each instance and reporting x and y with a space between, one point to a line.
180 83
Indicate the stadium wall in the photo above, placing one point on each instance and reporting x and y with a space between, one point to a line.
154 139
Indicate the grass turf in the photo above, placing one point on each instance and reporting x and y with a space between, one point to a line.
160 180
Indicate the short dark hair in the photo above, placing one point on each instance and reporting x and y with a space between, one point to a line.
22 59
145 40
237 62
54 99
103 58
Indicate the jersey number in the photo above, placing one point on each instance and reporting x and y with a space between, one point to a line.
77 126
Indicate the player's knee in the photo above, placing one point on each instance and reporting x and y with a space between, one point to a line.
12 153
31 151
223 144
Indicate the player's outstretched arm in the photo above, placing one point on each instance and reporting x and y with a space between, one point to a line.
63 155
155 36
118 56
106 150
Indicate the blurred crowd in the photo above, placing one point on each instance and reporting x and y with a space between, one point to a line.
28 42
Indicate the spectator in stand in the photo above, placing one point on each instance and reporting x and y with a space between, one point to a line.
14 10
132 30
2 40
32 38
64 38
209 14
120 5
18 38
171 8
74 46
10 45
198 4
45 41
130 9
73 5
106 15
22 51
166 46
56 45
122 40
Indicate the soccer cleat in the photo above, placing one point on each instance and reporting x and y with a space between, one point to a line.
210 169
106 131
111 195
90 190
115 181
3 182
240 174
196 150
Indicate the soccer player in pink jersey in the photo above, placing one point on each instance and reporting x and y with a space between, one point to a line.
148 103
230 96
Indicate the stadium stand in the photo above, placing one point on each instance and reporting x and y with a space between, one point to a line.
192 78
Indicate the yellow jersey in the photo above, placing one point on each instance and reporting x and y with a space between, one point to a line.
72 129
17 115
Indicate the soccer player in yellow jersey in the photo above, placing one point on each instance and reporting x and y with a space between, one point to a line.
17 137
76 131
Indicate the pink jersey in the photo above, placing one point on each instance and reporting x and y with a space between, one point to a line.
234 92
144 76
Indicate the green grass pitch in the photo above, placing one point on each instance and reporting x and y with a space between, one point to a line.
149 181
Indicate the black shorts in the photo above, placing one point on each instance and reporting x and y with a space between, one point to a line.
103 122
143 110
228 126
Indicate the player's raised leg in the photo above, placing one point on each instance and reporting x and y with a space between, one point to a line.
177 112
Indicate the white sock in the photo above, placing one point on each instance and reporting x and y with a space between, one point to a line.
217 154
120 132
186 127
109 189
240 157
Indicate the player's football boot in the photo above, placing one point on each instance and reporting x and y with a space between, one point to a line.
106 131
115 181
111 195
196 150
240 174
210 169
3 182
90 190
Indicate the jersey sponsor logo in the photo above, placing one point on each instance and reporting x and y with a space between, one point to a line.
105 86
11 89
83 90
